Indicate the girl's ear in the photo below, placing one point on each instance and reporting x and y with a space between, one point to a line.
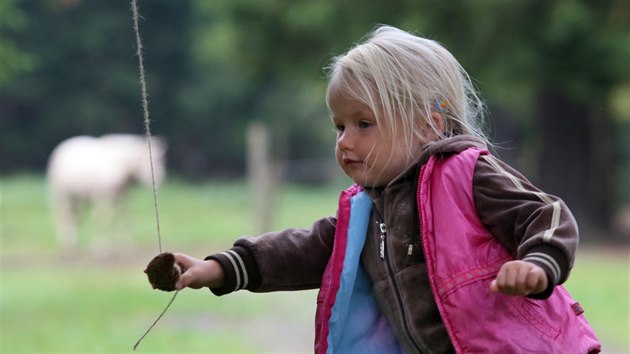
438 120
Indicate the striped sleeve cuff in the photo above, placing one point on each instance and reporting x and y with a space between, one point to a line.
239 268
554 263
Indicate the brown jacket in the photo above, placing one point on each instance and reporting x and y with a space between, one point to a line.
507 203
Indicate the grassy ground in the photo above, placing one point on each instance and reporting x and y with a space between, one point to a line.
52 302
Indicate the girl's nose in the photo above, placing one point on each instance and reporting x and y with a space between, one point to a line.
344 141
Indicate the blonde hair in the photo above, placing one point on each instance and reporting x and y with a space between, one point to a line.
398 74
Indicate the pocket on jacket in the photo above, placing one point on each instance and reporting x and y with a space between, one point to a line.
531 312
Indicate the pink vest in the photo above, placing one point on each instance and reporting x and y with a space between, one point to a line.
463 257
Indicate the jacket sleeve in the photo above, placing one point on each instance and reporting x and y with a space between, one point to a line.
292 259
535 226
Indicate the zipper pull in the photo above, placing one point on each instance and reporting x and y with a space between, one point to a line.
382 244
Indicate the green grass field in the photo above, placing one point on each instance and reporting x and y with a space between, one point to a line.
53 302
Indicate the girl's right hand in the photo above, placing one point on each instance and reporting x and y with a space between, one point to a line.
519 278
197 273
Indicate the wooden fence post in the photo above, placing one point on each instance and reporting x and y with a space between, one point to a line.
261 177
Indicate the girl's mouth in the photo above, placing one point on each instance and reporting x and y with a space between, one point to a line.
349 161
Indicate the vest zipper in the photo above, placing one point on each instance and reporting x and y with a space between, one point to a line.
381 250
383 255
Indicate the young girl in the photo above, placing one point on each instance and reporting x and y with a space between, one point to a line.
438 247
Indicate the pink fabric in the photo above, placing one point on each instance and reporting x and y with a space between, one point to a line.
463 257
330 279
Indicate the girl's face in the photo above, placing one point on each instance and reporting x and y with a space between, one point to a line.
372 157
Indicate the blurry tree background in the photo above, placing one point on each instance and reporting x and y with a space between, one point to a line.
555 75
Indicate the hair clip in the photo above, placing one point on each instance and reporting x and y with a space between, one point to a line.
440 104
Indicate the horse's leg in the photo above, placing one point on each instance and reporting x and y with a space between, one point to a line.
102 218
65 215
121 226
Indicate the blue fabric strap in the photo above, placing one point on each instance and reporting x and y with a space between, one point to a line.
356 324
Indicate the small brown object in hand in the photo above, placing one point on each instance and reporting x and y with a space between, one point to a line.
163 272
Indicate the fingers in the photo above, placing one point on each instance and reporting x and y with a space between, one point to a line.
189 276
494 287
197 273
184 261
519 278
183 282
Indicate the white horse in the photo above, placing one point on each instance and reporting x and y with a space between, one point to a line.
98 171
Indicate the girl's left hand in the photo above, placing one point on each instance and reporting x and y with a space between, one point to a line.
519 278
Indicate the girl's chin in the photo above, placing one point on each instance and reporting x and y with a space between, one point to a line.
367 182
364 178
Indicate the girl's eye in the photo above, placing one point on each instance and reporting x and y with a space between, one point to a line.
364 124
340 127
